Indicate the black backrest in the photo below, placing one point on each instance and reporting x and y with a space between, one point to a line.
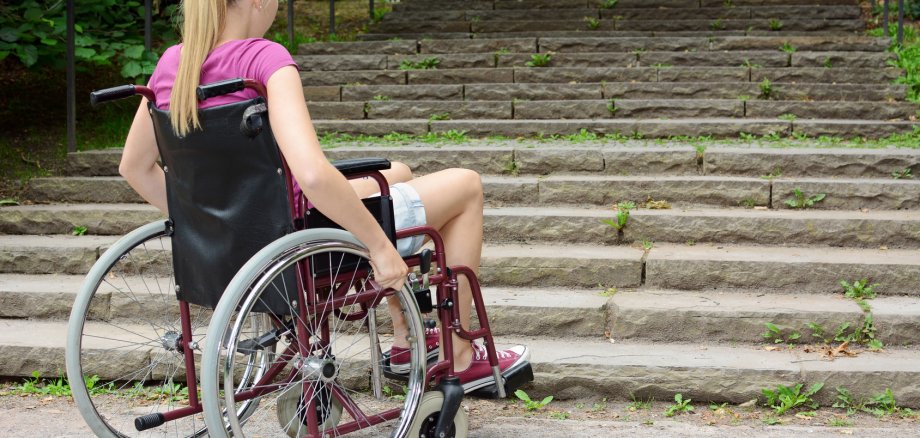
228 198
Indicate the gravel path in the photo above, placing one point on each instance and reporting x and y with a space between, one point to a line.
35 416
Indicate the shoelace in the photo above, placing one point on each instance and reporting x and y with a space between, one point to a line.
480 353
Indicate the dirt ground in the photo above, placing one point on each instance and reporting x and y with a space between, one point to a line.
41 416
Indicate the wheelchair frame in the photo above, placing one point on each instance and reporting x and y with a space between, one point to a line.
444 279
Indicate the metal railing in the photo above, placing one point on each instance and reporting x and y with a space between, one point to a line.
885 13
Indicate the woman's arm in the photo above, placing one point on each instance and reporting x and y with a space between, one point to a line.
139 160
323 184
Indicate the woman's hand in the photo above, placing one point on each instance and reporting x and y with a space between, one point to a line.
390 269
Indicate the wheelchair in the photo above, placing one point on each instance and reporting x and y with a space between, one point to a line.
248 313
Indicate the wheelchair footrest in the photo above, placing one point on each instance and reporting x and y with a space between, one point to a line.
514 379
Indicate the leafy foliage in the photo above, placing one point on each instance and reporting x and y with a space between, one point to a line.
623 209
860 289
785 398
680 406
107 33
532 405
800 200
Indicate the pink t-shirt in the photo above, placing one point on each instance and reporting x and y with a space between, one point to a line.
253 58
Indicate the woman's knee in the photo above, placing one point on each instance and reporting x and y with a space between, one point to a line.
470 181
399 172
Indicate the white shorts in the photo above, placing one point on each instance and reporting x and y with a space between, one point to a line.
408 211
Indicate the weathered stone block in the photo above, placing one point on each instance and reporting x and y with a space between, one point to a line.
461 76
375 77
371 127
423 109
703 74
842 59
571 60
472 60
543 161
401 92
623 44
826 75
329 93
582 75
341 62
650 160
359 48
478 45
852 194
678 108
336 110
532 91
716 58
755 162
562 109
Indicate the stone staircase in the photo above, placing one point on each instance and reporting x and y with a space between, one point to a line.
636 68
686 315
695 284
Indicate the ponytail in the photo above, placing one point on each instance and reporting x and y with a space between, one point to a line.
203 24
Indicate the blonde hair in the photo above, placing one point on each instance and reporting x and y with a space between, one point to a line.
201 29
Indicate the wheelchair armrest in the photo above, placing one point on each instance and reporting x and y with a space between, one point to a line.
361 165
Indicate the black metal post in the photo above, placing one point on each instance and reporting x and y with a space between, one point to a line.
290 12
148 24
885 18
331 17
71 81
900 22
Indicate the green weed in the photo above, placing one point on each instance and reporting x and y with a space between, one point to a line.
788 117
559 415
599 406
612 107
539 60
776 334
799 200
717 24
608 292
639 405
860 289
592 23
380 97
766 89
775 24
839 422
622 216
788 48
647 244
775 173
8 202
439 116
828 63
78 231
680 406
896 174
609 4
532 405
424 64
785 398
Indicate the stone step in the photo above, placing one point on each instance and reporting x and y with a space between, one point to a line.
753 58
618 158
636 128
527 218
570 368
612 108
801 270
636 315
695 13
600 33
426 5
692 226
829 43
576 313
803 93
741 317
557 75
502 265
610 24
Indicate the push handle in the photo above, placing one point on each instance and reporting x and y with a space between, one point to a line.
114 93
205 92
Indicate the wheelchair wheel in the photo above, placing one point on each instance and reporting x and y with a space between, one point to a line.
328 375
427 419
124 352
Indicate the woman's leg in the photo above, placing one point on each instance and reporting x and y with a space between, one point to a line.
453 201
397 173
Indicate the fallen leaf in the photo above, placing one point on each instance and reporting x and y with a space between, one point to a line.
748 404
883 248
771 348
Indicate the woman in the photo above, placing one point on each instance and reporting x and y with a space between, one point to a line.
222 39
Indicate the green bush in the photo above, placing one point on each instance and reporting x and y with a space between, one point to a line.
107 33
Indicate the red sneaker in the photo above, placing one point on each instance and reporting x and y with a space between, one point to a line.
479 374
399 357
